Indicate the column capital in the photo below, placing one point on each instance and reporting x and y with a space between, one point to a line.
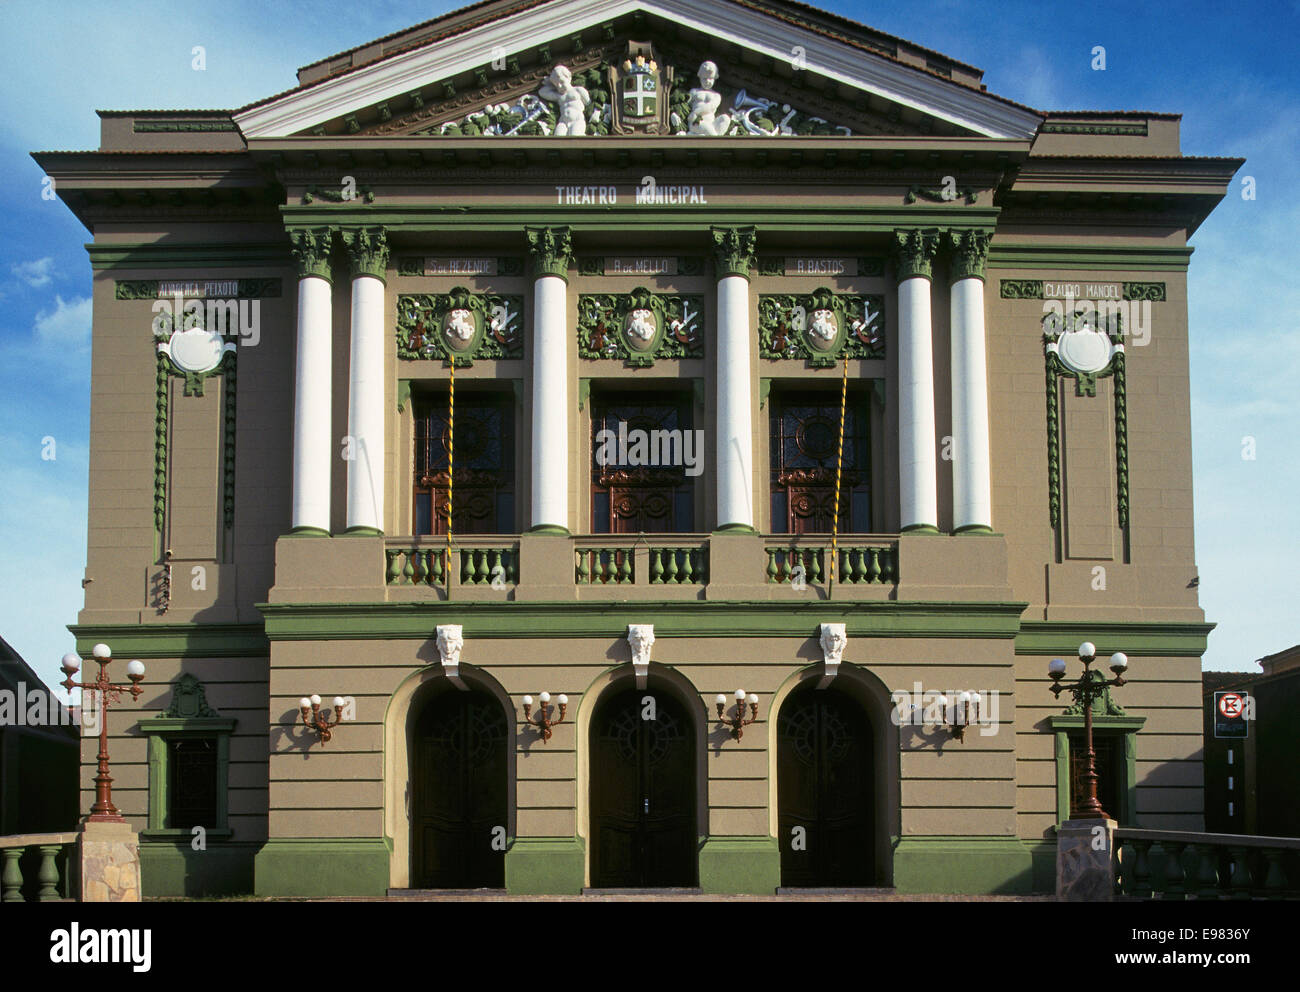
367 251
310 247
913 251
550 250
970 253
733 251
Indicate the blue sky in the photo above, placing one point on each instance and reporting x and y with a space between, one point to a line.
1230 70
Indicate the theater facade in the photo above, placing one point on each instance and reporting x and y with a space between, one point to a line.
760 387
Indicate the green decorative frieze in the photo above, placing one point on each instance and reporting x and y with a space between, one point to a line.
943 194
914 252
1057 127
152 289
459 326
550 250
733 251
1021 289
822 327
1153 291
970 253
311 250
640 327
181 127
367 251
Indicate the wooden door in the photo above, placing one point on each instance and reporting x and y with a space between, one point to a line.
825 786
643 820
459 790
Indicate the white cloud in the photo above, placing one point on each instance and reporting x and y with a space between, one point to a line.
68 324
35 273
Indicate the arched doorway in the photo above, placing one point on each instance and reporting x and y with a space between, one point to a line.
459 778
642 774
825 790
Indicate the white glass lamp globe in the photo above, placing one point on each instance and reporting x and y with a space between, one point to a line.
740 695
1056 668
315 700
528 700
721 700
545 697
338 702
964 697
71 663
102 652
562 699
135 669
304 703
753 698
1087 650
1118 662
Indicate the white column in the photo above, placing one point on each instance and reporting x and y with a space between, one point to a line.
917 459
366 382
549 504
312 452
735 429
972 497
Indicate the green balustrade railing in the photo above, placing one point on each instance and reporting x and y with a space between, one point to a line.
37 867
679 566
858 564
601 566
1164 864
477 565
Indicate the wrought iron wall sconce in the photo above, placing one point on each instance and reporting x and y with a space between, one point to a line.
966 712
738 721
544 723
317 720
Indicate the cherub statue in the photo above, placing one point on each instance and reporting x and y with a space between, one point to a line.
573 101
705 103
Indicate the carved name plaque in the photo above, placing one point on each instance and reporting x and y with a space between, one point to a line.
210 288
442 266
817 266
640 266
1083 290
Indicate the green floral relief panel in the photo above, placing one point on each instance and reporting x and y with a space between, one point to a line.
1084 346
459 326
821 327
640 327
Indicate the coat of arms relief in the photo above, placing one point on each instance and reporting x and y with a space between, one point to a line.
638 94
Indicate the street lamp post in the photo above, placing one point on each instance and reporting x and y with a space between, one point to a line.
109 692
1084 692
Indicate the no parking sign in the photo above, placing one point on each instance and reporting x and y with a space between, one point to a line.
1230 715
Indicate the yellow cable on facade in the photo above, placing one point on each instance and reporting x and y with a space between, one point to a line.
839 469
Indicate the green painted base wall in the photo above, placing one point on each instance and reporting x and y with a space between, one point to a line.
323 866
545 866
1044 854
968 865
750 865
168 868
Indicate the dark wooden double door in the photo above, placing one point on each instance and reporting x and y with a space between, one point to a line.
458 792
643 810
825 791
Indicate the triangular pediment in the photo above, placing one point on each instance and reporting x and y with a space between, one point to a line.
568 68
